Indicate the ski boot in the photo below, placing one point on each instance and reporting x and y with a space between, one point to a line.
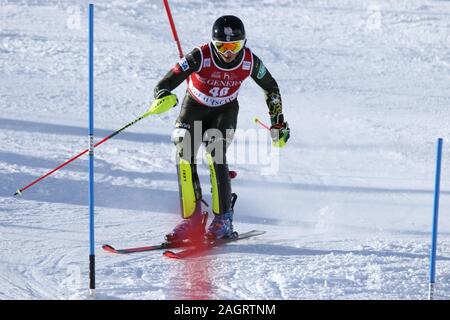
189 229
221 226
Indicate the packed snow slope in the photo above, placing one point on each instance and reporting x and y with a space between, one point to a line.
348 212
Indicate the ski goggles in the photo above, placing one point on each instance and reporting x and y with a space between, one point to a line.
232 46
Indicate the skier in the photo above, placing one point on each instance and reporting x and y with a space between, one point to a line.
215 72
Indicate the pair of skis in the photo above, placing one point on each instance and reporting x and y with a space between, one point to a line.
188 249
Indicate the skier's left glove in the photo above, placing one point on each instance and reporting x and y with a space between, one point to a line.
279 130
164 101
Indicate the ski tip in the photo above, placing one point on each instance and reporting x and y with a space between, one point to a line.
170 254
18 192
259 231
109 248
255 233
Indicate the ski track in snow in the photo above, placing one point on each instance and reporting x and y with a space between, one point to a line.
348 215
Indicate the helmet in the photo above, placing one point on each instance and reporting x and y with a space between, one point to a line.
228 28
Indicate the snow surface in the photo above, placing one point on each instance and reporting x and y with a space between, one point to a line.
348 215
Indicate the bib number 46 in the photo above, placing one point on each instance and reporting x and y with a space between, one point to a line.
219 92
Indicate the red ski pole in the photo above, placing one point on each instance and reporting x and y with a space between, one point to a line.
262 124
154 110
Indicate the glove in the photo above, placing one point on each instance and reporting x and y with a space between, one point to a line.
161 93
279 130
164 101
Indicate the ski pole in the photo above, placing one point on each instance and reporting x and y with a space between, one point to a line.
153 110
262 124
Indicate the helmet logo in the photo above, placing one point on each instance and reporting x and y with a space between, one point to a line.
228 32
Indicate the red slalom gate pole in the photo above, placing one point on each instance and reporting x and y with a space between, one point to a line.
172 26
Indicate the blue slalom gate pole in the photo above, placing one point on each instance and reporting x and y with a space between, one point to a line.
91 154
435 221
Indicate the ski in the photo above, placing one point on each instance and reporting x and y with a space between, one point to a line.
209 244
164 245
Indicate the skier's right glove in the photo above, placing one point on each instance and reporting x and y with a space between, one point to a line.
279 130
164 101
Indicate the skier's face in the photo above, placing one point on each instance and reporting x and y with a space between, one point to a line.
228 51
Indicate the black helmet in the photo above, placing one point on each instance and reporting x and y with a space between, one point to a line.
228 28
